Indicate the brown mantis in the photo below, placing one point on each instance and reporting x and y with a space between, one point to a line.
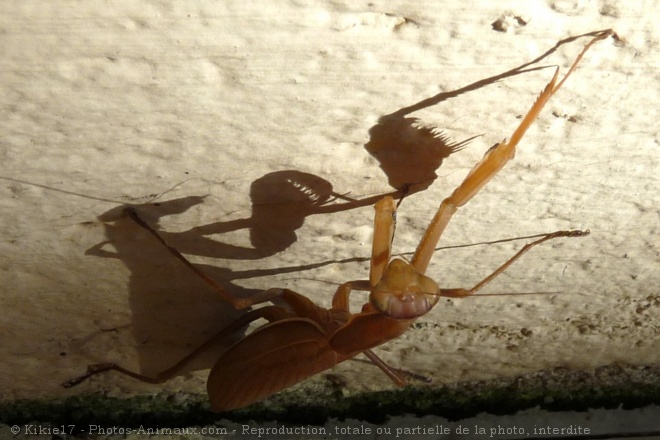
302 339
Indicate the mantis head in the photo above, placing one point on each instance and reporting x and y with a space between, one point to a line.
403 293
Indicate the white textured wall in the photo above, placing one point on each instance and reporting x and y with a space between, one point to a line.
105 104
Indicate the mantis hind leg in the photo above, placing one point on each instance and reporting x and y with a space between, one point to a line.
270 313
238 303
398 376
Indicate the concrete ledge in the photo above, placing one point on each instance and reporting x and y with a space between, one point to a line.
610 387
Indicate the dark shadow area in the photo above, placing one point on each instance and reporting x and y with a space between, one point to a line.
171 306
280 203
409 153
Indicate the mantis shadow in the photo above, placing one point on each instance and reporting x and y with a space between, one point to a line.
281 201
410 153
173 310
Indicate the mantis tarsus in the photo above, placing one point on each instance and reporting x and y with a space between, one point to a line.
303 339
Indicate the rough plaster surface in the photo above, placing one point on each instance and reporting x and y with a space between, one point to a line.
244 120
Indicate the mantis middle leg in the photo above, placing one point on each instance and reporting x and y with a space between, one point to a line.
460 293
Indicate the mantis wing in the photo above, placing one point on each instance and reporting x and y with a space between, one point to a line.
268 360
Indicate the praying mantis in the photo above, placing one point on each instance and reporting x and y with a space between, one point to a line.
302 339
